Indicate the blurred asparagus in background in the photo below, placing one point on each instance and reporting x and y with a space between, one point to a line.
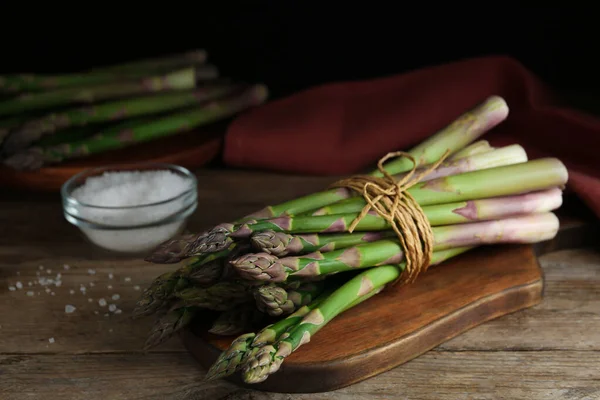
17 83
30 131
53 118
117 137
178 80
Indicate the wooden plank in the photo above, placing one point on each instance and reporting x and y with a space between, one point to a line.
569 309
448 375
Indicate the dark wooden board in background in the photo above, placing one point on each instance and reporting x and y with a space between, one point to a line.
190 150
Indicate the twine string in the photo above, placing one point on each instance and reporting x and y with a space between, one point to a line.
391 200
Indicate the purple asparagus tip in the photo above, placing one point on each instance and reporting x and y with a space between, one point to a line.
271 242
260 266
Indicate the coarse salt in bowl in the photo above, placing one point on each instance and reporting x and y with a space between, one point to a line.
130 208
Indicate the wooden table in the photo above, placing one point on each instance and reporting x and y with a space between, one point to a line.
551 351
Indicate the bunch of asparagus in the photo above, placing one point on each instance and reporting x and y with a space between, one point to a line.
281 274
49 119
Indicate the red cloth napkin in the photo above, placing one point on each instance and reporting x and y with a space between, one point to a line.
344 128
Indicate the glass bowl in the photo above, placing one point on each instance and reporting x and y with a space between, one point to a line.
131 229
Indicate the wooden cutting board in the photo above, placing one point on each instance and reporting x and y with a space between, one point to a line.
403 323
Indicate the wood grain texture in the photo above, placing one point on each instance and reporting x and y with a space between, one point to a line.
549 351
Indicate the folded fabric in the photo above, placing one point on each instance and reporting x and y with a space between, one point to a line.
344 128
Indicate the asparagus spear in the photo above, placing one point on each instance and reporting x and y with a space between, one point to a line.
169 324
281 244
441 214
460 133
240 348
493 182
508 155
43 83
31 131
110 139
529 228
156 296
179 80
221 296
479 147
235 321
275 300
266 359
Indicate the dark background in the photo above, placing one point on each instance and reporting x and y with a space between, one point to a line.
293 45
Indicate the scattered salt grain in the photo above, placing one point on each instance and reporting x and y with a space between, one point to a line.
30 293
47 290
69 309
136 287
19 285
112 307
66 267
133 188
90 300
102 302
118 311
12 288
71 291
116 297
110 276
92 271
52 294
58 276
51 340
106 315
48 271
83 289
41 267
58 283
92 284
29 284
109 287
127 279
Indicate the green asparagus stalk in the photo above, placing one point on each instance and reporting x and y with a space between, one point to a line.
232 359
110 139
235 321
179 80
240 348
281 244
275 300
169 324
267 359
525 177
460 133
508 155
529 228
440 214
33 130
479 147
221 296
156 296
43 83
164 63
